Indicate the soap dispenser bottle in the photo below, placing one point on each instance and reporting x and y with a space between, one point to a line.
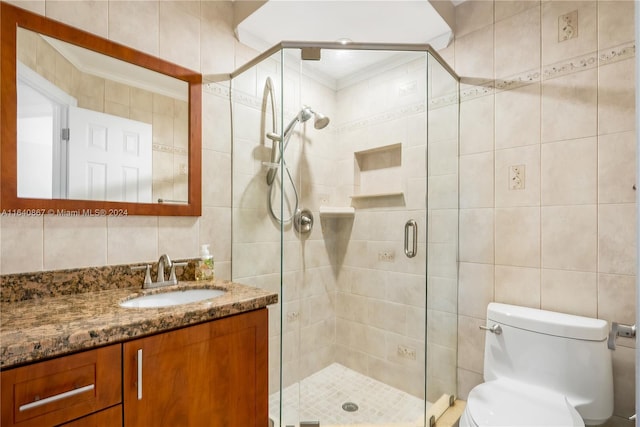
205 271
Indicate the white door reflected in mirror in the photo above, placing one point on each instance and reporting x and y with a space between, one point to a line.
106 157
109 157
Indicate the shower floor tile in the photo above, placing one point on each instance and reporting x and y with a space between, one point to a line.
322 395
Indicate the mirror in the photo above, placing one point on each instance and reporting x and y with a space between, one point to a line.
93 127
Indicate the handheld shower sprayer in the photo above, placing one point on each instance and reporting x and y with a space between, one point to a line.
320 121
279 145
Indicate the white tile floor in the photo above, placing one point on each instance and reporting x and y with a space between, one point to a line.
322 395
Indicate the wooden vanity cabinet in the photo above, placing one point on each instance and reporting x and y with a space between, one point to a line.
56 391
212 374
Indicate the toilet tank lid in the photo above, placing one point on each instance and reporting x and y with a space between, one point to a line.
548 322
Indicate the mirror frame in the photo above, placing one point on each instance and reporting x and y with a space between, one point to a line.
11 18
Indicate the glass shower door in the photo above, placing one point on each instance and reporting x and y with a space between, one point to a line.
356 319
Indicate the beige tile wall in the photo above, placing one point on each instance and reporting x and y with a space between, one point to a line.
194 34
564 110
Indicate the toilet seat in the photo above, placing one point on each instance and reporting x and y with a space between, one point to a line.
505 402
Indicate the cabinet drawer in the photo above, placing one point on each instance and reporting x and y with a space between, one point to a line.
59 390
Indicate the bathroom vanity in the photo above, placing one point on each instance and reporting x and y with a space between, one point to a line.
83 360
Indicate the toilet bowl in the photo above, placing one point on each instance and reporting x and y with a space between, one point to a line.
517 404
542 368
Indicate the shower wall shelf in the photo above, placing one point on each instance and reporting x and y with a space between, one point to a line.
330 211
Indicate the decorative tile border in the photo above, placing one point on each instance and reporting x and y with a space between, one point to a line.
514 82
569 66
247 100
397 113
476 91
217 89
572 65
394 114
443 101
470 90
617 53
559 69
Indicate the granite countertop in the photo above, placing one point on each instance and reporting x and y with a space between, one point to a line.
41 328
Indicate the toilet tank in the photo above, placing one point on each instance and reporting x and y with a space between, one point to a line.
562 352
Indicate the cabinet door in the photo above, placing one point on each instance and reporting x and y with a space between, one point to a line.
212 374
55 391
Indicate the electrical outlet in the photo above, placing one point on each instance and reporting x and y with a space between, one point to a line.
387 256
406 352
568 26
516 177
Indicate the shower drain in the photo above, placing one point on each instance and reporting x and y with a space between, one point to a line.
350 407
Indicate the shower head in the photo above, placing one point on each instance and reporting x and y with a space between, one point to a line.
320 121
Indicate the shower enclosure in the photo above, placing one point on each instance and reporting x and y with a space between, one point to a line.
345 203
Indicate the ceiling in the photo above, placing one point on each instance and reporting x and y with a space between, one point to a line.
361 21
365 21
97 64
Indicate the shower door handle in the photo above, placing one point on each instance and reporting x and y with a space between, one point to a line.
410 253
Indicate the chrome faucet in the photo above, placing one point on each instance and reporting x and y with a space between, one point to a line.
163 263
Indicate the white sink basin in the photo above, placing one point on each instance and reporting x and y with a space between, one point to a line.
167 299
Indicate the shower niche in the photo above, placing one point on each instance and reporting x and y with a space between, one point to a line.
378 172
357 325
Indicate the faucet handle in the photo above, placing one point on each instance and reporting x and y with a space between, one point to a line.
172 276
147 273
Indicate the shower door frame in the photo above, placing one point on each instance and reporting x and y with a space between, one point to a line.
401 47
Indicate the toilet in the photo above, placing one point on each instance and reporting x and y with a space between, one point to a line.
542 368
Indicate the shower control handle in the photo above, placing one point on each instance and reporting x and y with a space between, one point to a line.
495 329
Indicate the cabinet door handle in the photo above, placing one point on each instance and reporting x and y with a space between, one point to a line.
139 374
56 397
